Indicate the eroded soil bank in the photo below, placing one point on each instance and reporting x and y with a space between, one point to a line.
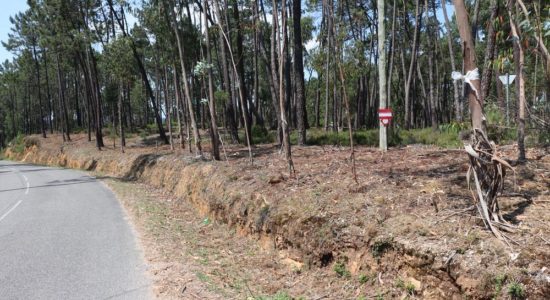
407 228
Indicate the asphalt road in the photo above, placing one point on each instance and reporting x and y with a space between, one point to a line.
63 235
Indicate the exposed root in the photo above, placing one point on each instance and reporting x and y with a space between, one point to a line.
488 172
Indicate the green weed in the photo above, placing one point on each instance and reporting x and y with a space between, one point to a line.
363 279
340 269
516 291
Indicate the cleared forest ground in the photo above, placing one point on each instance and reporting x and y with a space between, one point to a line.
407 229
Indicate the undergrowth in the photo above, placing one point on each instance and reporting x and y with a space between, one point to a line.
21 142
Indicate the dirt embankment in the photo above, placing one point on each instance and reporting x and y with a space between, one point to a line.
405 229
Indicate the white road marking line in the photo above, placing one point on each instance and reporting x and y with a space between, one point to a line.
18 202
28 184
11 209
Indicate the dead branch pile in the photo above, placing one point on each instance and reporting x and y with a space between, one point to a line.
487 171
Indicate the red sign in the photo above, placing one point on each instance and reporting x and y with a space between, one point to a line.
385 115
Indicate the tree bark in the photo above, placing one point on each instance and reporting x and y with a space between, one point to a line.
382 62
142 71
486 77
456 90
476 105
301 113
412 65
214 137
196 135
519 59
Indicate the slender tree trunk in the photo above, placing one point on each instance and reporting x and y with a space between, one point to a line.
120 117
456 90
489 52
392 53
317 102
284 123
476 106
519 59
63 106
240 73
196 135
168 109
301 113
48 94
179 105
431 54
94 84
214 137
141 69
41 109
382 62
412 66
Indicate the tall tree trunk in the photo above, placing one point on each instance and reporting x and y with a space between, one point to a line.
179 105
476 106
431 53
456 91
48 94
120 117
168 108
301 113
519 59
63 106
284 124
141 69
214 137
489 52
196 135
240 72
412 65
94 84
487 169
41 109
382 62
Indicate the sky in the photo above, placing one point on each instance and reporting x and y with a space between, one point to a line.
9 8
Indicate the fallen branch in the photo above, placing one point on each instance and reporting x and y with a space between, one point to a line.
488 172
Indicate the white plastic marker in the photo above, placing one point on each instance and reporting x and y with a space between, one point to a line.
468 78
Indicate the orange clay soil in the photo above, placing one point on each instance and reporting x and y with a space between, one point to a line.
407 228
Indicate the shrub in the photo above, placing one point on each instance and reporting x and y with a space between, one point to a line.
31 141
363 279
515 290
260 135
340 269
17 145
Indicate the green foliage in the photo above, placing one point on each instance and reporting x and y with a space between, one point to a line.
543 137
21 142
278 296
260 135
201 68
499 283
17 144
399 283
427 136
516 290
340 269
363 279
454 127
410 288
